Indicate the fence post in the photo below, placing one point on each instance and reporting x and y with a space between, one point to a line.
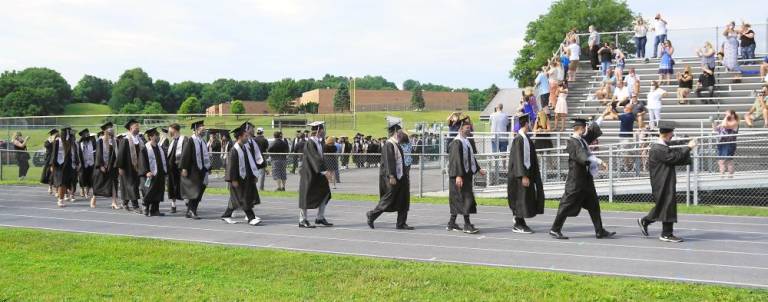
688 190
610 173
559 177
696 176
441 149
421 173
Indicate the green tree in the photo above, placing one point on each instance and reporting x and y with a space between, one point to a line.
164 96
91 89
236 108
33 91
153 108
191 105
133 107
410 84
544 35
341 99
133 84
417 99
374 83
280 96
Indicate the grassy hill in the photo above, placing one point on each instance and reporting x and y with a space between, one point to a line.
86 109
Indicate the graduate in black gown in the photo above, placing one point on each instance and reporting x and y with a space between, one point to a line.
357 151
195 166
525 191
128 166
314 191
462 166
152 168
63 164
45 178
662 159
87 148
579 185
175 143
240 174
105 183
346 150
393 179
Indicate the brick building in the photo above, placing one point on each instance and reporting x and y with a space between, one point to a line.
251 107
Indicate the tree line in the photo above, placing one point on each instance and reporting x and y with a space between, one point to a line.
43 91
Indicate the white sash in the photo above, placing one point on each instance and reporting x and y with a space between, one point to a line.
469 155
526 150
398 158
87 149
105 149
241 160
179 144
206 161
152 160
60 153
257 157
317 144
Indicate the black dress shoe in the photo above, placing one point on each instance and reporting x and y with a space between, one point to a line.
323 222
557 235
173 210
193 215
470 228
453 227
369 220
603 234
643 226
305 225
404 227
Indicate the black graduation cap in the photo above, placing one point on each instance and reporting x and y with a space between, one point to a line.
151 131
197 124
165 130
84 132
523 119
100 133
129 123
368 137
666 127
53 131
306 131
107 125
316 125
575 122
394 124
298 131
238 131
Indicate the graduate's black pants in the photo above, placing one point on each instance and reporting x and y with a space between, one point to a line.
594 214
154 206
402 216
248 213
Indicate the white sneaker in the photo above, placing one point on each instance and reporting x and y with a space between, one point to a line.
229 220
255 221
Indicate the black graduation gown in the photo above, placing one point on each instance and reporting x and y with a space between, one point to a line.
661 163
262 143
373 148
104 183
174 173
357 151
579 186
45 178
246 195
156 190
192 186
129 181
313 186
86 173
347 149
393 198
462 201
216 157
525 202
64 174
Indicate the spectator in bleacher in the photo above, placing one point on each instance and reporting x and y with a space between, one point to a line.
731 47
633 82
571 35
726 147
542 86
758 109
606 58
618 71
561 108
684 85
706 83
626 132
707 55
529 105
574 51
654 104
564 63
764 70
660 28
500 127
555 75
638 109
604 93
621 95
747 37
594 45
641 33
666 64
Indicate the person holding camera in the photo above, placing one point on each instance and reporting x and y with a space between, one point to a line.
22 157
726 147
759 108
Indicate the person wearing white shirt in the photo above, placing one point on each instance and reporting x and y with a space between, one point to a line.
660 28
654 104
574 53
499 125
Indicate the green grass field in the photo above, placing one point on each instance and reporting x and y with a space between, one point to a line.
56 266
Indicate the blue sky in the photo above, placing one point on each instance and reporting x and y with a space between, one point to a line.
451 42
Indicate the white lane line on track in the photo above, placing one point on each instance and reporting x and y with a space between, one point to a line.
433 259
402 244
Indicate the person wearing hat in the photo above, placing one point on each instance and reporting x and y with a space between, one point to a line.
662 159
462 166
45 178
357 150
277 156
263 144
63 165
580 185
373 150
393 181
525 191
105 183
22 157
345 150
152 168
87 147
195 164
175 146
314 190
241 171
128 153
296 150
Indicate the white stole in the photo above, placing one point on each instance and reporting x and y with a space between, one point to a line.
398 158
526 149
60 153
87 149
257 156
152 160
105 149
469 155
179 144
241 160
206 161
